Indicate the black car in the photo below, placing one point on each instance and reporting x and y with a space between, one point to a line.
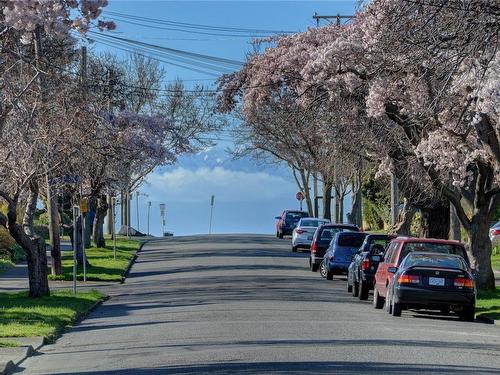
364 265
432 281
287 222
321 240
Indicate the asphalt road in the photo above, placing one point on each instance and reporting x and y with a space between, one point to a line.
244 304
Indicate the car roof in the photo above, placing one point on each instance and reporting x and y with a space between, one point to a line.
380 236
363 234
428 240
314 218
296 212
333 225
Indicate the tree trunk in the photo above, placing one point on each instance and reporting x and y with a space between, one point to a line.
36 258
305 183
98 228
403 223
327 199
480 249
455 232
336 207
436 221
356 216
341 209
54 233
89 220
315 187
34 247
109 215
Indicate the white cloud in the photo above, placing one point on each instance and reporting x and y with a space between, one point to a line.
185 185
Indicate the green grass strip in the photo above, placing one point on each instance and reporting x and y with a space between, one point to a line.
22 316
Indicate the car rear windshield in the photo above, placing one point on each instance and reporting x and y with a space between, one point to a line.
351 240
429 260
312 223
328 233
294 216
430 247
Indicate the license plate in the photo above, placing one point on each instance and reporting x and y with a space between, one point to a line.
376 258
436 281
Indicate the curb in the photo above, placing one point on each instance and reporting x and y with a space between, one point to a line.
132 261
486 319
29 350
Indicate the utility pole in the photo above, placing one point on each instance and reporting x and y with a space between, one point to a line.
149 213
137 193
330 19
394 199
52 212
162 215
212 201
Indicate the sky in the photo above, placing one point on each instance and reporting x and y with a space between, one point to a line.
248 195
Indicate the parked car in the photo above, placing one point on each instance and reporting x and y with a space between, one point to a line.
338 257
321 240
287 222
365 263
398 249
432 281
495 234
303 234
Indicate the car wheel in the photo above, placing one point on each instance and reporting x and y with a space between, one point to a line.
355 289
294 249
363 291
378 302
468 313
313 267
445 310
329 275
396 309
388 304
322 270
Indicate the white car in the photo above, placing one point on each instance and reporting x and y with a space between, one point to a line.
303 234
495 234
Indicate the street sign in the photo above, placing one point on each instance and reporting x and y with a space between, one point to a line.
162 209
84 206
212 200
299 196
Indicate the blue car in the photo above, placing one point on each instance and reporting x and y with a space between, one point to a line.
339 255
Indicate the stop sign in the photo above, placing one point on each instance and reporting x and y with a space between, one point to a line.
299 196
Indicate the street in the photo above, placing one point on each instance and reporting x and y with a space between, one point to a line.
244 304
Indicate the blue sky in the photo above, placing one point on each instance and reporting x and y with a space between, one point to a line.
248 195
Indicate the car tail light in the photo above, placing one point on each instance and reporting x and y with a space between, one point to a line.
300 231
495 232
409 279
461 282
314 247
366 264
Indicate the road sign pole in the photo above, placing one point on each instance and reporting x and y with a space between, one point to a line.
75 233
149 213
212 201
113 205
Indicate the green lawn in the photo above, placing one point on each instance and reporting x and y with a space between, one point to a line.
495 260
488 303
8 344
102 265
22 316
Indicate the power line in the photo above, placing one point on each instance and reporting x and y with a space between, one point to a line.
200 26
169 58
187 31
172 50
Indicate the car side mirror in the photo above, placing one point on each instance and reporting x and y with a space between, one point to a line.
392 269
277 217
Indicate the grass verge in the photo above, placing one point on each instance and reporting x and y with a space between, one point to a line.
9 344
495 260
488 303
22 316
103 266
